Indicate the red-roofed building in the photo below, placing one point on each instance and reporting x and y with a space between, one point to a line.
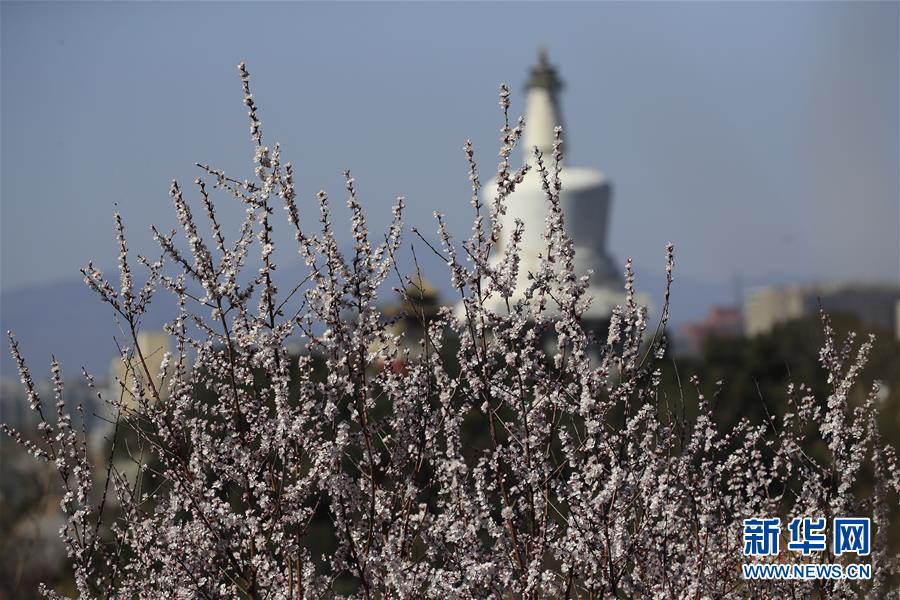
721 322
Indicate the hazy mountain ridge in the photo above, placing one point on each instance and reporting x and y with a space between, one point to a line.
68 320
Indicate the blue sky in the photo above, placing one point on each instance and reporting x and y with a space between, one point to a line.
761 138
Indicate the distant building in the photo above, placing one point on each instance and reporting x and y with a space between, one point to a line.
586 200
153 345
408 318
721 322
875 305
16 412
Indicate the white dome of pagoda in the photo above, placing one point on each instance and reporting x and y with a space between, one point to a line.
586 199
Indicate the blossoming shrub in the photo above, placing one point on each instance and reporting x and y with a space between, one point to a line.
585 483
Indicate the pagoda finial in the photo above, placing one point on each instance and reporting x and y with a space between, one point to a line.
543 74
542 113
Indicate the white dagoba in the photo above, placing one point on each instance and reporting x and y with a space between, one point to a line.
585 198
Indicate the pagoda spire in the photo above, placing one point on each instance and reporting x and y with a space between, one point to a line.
542 114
